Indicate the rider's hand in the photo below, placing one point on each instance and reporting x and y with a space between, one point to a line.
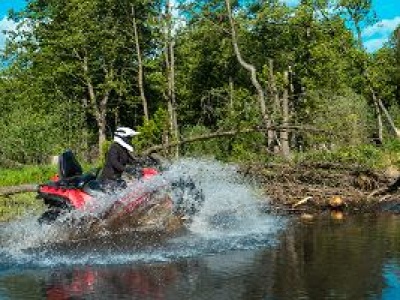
154 159
133 170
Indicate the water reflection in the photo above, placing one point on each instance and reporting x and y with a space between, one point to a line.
111 283
356 258
333 260
391 273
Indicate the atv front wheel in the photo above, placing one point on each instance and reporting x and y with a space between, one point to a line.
49 216
187 198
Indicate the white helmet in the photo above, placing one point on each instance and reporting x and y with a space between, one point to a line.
123 132
123 136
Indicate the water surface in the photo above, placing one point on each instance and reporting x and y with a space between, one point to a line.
232 250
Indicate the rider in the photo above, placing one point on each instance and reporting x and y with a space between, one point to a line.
119 156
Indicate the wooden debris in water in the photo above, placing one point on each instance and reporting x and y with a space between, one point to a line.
302 201
306 217
335 202
337 215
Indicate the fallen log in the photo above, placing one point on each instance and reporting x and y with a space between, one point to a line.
24 188
230 133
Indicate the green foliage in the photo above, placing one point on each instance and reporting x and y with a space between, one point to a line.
75 72
383 75
241 148
345 118
212 148
26 174
392 145
363 155
104 150
32 132
152 132
29 142
248 147
390 153
238 110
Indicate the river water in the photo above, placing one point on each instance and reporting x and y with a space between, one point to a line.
244 254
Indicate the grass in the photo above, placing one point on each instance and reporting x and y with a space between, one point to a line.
27 174
18 205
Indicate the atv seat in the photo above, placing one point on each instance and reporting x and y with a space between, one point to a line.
68 166
70 171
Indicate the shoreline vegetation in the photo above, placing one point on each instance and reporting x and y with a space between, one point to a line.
349 183
314 188
291 96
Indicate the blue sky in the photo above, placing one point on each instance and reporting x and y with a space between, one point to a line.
388 12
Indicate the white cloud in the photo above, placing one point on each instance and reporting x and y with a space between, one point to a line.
376 35
382 28
374 44
5 24
291 2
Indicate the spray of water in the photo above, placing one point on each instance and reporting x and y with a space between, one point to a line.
232 204
229 218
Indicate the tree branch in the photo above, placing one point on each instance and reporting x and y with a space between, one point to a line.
11 190
227 134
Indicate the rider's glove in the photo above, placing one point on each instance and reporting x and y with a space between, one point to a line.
133 170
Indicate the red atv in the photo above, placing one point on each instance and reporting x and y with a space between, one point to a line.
71 189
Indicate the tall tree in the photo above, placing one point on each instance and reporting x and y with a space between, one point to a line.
140 65
169 54
253 74
358 11
87 50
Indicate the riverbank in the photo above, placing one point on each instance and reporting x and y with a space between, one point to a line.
315 187
292 188
19 204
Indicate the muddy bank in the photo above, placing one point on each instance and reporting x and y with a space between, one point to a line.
299 188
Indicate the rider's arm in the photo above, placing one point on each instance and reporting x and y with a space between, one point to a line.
135 160
114 159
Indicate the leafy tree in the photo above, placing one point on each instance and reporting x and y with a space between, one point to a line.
82 50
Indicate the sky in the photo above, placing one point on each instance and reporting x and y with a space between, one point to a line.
374 36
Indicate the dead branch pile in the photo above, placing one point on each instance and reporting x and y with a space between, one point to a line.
315 185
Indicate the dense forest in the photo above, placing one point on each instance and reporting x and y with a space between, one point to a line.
267 79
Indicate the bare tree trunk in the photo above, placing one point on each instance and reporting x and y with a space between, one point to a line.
389 118
175 130
272 84
167 95
252 71
395 130
284 134
359 35
231 96
274 94
140 66
99 109
170 66
379 122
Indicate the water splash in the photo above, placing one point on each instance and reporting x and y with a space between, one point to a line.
230 218
232 204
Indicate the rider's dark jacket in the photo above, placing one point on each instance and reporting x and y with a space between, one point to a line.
116 160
